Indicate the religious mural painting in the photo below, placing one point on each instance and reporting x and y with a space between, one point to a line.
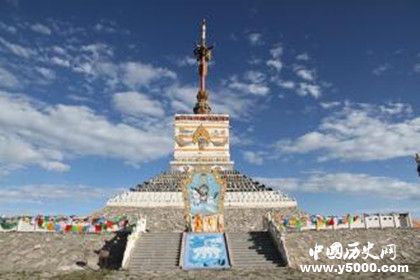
204 199
205 245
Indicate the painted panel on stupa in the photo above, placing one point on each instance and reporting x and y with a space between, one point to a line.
205 251
204 194
204 244
204 198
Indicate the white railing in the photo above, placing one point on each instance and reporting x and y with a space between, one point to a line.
132 240
278 237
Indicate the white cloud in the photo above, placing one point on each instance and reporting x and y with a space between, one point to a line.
305 74
416 67
7 79
381 69
276 51
17 49
187 61
254 83
254 76
182 97
286 84
254 61
303 57
253 157
55 166
275 63
309 86
241 138
59 50
45 193
248 88
100 27
238 106
97 50
40 28
138 104
46 73
60 61
16 152
33 133
140 74
133 75
395 108
305 89
255 38
353 183
8 28
329 105
361 132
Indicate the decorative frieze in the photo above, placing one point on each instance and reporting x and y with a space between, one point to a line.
265 199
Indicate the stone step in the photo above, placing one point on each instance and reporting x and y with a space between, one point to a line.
152 253
141 269
151 260
137 263
161 258
161 263
247 261
265 262
148 248
272 255
253 249
158 242
164 244
251 246
251 241
156 252
254 258
256 252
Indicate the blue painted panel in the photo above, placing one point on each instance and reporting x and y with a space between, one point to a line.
205 251
204 194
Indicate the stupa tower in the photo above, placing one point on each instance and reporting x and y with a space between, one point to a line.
201 145
202 138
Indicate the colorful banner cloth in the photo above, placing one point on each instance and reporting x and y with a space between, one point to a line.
311 221
66 224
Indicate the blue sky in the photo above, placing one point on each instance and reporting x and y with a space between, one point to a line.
323 97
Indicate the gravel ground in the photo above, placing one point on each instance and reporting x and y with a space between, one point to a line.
281 273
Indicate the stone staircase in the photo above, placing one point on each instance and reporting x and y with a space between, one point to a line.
156 252
253 250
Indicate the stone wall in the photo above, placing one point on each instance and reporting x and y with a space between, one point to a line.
407 241
48 252
169 219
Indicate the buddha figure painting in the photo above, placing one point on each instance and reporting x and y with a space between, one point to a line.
204 194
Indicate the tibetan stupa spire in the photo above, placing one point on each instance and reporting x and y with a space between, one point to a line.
203 55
